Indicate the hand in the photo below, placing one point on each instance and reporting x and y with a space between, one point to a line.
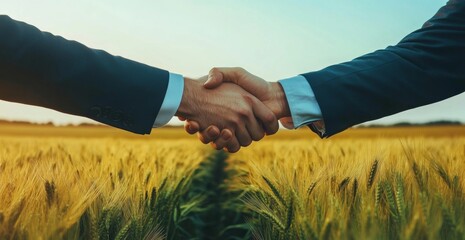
227 107
271 94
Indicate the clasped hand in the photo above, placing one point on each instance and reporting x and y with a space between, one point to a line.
230 108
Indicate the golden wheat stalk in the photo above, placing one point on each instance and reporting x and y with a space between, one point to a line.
372 175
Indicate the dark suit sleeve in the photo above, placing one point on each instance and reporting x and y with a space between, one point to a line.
41 69
425 67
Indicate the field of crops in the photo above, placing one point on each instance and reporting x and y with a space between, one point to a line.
101 183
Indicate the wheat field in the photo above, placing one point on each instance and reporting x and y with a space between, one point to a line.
355 189
101 183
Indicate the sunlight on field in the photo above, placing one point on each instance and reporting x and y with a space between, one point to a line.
354 188
65 187
102 183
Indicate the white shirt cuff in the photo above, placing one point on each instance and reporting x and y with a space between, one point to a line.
302 102
172 100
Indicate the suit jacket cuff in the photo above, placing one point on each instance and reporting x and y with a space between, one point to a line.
172 100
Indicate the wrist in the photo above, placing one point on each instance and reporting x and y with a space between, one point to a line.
281 107
187 106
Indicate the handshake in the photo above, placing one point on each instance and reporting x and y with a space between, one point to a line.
230 108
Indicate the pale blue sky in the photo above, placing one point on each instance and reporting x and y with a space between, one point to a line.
272 39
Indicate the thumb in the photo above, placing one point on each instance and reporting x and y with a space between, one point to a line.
215 79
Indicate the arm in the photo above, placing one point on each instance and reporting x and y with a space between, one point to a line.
425 67
41 69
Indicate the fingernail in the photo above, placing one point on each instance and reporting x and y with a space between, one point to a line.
212 132
225 136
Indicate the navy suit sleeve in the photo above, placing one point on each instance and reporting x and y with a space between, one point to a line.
425 67
41 69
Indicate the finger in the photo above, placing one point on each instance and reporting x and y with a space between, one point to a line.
217 76
214 79
255 129
225 137
191 126
239 76
227 141
233 146
243 136
209 135
266 117
181 118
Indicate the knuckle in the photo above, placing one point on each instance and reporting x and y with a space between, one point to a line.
234 122
239 72
270 118
243 112
249 100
